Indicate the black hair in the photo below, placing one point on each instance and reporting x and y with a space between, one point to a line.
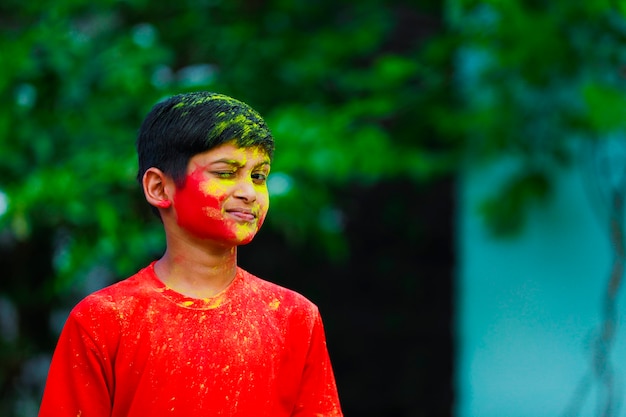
185 125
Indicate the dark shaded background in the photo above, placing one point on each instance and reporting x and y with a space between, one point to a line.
388 307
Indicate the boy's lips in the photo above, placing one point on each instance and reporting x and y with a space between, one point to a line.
242 214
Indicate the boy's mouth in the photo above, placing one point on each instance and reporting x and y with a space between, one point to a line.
242 214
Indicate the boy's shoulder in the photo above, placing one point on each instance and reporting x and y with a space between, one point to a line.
276 295
117 296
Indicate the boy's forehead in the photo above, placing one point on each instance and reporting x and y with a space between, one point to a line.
232 151
252 151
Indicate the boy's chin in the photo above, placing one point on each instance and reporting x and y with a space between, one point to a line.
245 240
237 240
243 236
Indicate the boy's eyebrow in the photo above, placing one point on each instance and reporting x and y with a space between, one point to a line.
227 161
236 163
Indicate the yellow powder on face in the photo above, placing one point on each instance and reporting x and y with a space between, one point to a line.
257 152
212 212
241 231
214 187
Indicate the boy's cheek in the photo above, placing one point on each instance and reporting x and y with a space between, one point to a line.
205 193
261 219
194 198
209 188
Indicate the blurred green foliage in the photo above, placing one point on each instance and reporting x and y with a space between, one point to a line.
335 82
536 80
356 92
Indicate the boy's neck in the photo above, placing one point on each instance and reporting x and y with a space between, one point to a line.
197 272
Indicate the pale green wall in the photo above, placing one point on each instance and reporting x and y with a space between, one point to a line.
527 307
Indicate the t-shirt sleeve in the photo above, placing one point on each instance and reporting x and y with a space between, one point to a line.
77 380
318 391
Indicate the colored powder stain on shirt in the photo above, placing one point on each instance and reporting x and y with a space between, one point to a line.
212 303
204 368
202 304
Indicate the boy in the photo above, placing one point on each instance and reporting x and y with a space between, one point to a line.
193 334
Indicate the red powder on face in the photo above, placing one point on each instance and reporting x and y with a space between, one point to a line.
199 209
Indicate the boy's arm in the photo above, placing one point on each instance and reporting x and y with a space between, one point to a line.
77 383
318 391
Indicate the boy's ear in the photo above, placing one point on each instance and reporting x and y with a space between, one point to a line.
156 188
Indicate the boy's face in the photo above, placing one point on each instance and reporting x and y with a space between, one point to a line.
225 194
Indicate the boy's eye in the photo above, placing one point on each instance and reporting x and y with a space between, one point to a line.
224 174
259 177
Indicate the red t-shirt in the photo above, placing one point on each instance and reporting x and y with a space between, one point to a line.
138 349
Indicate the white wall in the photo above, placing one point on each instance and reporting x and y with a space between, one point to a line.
528 307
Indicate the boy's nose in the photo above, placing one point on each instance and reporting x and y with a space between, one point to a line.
245 190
